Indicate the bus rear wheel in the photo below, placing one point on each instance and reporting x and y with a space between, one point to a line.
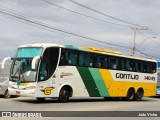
130 94
64 95
139 94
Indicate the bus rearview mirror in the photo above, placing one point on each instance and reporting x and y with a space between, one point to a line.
35 59
4 61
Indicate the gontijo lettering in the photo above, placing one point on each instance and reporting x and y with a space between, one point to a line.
127 76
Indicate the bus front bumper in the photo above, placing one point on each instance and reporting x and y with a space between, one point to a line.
24 93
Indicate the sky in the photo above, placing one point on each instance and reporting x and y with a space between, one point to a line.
15 32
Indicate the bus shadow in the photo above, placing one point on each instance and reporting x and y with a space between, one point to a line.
157 96
1 96
76 100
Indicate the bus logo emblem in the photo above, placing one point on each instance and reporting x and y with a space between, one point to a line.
47 90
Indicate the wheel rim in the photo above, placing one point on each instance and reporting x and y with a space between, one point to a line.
139 95
131 95
65 94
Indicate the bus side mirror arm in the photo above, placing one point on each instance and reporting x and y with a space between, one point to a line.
4 61
34 62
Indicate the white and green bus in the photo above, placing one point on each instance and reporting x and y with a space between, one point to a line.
58 71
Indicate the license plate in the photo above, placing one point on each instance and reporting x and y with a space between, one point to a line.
18 92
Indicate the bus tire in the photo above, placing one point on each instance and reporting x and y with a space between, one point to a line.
6 94
139 94
64 95
130 94
39 99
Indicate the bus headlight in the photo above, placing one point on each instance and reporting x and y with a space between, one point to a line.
10 86
29 88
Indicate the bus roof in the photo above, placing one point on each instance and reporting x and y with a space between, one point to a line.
88 49
44 45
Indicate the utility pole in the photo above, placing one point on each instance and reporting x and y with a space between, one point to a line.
135 29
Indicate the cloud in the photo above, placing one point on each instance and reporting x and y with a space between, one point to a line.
31 3
16 32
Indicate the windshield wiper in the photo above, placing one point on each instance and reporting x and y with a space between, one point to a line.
21 73
20 70
14 76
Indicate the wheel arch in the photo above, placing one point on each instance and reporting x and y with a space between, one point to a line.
69 87
140 89
130 94
130 88
139 94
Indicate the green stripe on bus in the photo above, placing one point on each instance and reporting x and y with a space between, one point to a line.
20 84
99 82
88 81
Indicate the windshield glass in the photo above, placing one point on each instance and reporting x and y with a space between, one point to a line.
21 70
29 52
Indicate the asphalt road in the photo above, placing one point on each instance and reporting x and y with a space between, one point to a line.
93 104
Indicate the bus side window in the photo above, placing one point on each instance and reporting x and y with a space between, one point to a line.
153 67
149 67
81 59
91 61
102 62
87 60
119 64
145 67
96 60
105 62
113 64
138 66
132 66
43 72
63 60
128 65
69 58
124 65
73 57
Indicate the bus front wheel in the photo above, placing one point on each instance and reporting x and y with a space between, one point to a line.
130 94
64 95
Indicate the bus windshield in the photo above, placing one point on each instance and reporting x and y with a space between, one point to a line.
29 52
21 70
21 67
